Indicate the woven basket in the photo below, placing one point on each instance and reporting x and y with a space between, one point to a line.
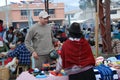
4 74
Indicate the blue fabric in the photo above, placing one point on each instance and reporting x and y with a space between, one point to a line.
116 36
118 56
41 76
98 75
105 72
1 34
22 54
113 59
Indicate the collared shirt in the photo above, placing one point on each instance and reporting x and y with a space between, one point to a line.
74 39
22 54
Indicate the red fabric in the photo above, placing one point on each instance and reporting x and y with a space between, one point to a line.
76 53
59 52
1 39
63 35
1 28
6 61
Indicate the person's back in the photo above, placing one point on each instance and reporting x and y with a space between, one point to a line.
77 52
76 56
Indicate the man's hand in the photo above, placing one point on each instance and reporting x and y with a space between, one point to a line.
35 55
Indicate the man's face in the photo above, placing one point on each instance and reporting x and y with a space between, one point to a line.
44 21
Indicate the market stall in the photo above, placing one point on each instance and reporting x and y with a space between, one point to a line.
28 76
105 69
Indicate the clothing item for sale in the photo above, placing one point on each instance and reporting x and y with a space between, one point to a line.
105 73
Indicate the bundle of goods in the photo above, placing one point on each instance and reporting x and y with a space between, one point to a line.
106 69
103 72
44 74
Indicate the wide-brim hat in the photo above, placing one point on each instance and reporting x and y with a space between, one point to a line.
1 21
75 28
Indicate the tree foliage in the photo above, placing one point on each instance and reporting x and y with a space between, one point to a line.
83 4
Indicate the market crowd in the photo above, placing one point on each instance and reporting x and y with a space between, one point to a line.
45 48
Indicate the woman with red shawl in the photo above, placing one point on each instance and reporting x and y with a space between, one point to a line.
1 28
76 56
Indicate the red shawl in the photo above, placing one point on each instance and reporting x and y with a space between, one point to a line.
76 53
1 28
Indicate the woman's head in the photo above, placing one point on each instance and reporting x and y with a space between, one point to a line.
75 30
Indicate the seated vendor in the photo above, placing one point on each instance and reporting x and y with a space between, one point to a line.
21 53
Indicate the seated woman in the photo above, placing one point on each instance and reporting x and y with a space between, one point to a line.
76 56
22 54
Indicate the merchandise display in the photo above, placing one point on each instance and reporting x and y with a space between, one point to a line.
105 69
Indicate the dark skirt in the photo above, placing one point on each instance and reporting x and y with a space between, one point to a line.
86 75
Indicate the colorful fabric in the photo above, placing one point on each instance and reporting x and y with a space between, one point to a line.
22 54
8 60
27 76
103 72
